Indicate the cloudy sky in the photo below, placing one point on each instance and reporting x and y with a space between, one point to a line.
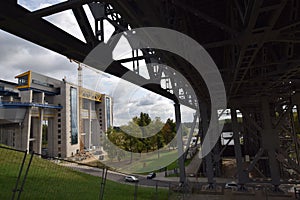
18 55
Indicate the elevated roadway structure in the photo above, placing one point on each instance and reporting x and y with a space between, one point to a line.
255 45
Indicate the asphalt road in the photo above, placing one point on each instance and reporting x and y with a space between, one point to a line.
118 177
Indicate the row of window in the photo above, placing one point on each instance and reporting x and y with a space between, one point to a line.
59 133
100 118
42 83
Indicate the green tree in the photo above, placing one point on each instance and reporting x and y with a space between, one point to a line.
141 134
113 143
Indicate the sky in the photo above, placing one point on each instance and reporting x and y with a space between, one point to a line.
18 55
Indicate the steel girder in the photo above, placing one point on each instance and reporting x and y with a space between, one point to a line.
255 44
31 26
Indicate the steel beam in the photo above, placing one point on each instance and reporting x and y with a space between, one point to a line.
208 158
216 147
249 119
205 17
270 142
250 37
85 26
196 115
256 158
182 178
60 7
242 177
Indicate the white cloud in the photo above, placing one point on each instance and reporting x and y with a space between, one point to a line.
66 21
37 4
18 55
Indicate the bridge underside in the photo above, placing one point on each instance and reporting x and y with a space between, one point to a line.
255 45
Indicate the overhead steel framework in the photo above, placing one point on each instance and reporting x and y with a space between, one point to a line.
255 45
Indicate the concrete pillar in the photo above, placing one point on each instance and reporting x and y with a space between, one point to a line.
25 135
90 126
242 177
180 143
39 136
38 125
208 157
270 142
26 97
50 138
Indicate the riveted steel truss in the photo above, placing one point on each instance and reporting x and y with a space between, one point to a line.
255 45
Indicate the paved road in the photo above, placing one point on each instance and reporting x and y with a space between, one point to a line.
118 177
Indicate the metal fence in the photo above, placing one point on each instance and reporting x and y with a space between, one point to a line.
25 175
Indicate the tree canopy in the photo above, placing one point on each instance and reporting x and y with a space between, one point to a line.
141 134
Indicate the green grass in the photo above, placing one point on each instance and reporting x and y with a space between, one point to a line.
144 163
175 164
47 180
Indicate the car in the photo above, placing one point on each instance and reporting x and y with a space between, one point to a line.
151 175
231 185
131 179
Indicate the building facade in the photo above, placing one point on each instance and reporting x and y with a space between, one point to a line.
42 113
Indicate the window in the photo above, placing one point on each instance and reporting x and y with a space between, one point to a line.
42 83
59 137
23 80
86 104
108 115
59 142
74 122
59 120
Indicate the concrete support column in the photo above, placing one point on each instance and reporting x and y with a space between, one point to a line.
51 138
25 135
90 126
270 141
180 143
242 177
208 157
40 99
39 136
26 97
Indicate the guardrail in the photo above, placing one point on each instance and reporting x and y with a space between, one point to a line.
29 104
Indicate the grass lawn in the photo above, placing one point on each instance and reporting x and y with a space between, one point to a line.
47 180
145 162
175 164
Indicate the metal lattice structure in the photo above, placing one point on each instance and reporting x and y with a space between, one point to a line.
255 45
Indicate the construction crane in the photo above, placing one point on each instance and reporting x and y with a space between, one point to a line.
79 79
92 95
